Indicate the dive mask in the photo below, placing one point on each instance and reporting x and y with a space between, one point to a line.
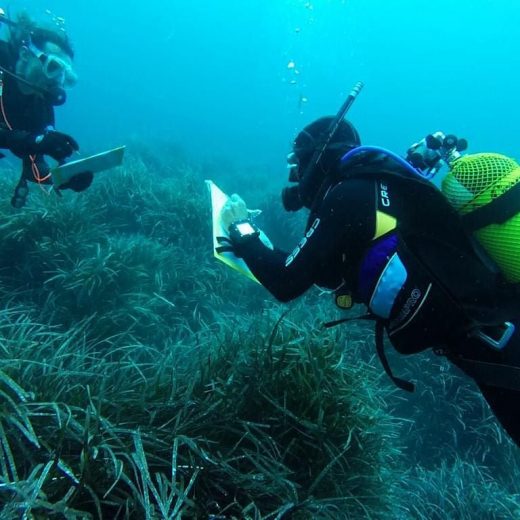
55 68
293 166
291 195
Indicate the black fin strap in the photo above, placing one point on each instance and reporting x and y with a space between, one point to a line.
498 211
380 347
492 374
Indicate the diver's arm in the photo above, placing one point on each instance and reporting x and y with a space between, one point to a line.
30 141
338 223
57 145
6 138
270 269
19 142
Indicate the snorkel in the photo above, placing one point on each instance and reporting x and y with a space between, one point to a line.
291 196
336 122
55 94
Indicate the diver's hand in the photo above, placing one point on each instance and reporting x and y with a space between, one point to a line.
242 233
234 209
79 182
55 144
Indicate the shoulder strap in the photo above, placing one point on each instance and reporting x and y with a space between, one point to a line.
498 211
380 348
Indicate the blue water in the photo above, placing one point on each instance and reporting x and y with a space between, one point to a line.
213 77
234 80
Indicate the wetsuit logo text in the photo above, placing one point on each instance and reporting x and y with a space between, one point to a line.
385 197
415 297
302 242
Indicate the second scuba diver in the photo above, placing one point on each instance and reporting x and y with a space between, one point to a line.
381 235
35 69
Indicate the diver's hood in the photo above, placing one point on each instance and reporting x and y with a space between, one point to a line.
318 166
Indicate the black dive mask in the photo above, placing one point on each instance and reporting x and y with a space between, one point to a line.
291 199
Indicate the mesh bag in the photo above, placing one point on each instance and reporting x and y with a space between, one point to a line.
474 181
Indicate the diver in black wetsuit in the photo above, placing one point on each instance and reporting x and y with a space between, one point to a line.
378 237
35 69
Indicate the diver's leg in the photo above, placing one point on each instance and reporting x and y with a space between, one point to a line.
505 404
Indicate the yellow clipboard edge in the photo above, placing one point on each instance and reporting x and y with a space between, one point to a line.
93 163
218 199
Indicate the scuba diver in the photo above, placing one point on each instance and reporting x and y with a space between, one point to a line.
381 234
35 71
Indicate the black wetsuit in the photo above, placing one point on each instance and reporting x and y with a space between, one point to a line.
342 250
32 113
333 254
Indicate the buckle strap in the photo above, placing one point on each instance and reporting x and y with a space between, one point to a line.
495 337
498 211
380 348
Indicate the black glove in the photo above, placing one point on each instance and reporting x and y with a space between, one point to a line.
55 144
79 182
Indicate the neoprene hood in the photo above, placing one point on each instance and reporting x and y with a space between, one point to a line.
313 174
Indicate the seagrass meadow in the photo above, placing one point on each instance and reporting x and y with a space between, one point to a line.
141 379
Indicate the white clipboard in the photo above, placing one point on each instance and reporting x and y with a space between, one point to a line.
95 163
218 199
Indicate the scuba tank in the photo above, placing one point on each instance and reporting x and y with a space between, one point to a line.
484 188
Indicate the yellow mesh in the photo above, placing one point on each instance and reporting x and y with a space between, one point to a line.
474 181
501 242
474 175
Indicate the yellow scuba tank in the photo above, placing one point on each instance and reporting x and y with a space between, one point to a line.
485 189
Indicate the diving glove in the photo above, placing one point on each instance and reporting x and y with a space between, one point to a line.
57 145
79 182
